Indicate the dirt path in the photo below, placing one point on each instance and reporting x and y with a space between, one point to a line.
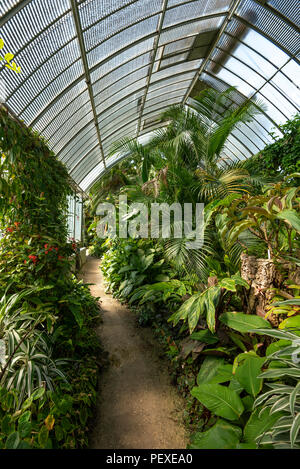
138 407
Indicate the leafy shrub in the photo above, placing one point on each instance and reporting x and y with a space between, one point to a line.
48 347
282 156
97 248
283 397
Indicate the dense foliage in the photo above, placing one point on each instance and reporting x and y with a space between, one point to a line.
48 347
281 158
230 365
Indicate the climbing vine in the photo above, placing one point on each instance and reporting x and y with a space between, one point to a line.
33 192
48 347
281 158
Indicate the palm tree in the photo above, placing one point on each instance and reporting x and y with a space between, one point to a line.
196 137
186 162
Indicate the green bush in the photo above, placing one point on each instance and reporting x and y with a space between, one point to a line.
48 346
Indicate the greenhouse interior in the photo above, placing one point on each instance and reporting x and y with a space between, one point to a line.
149 226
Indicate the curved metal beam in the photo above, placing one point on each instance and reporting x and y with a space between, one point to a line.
228 17
154 52
78 27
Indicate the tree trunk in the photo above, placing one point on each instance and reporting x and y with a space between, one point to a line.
264 277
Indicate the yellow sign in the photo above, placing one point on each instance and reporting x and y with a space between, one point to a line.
8 59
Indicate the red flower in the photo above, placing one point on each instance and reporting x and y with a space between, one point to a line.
46 252
60 258
10 230
56 249
46 246
17 223
25 262
33 258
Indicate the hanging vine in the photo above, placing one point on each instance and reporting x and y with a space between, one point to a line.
34 186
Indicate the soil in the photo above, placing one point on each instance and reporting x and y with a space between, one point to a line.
138 407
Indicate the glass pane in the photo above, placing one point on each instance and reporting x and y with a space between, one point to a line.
66 137
93 10
177 46
244 72
182 85
80 117
247 55
114 15
176 69
100 107
82 150
74 145
160 105
173 60
238 147
128 83
191 29
134 52
114 111
194 10
289 9
266 47
280 82
270 24
124 38
151 100
272 111
234 80
101 81
40 80
281 103
68 114
291 69
55 109
92 176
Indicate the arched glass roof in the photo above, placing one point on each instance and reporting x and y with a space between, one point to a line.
94 71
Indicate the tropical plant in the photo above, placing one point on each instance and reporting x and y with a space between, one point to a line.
46 315
129 263
281 158
228 392
287 309
272 218
283 397
208 303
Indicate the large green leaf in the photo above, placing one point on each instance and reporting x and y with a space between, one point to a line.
247 374
292 217
12 441
210 299
258 423
295 429
220 400
76 310
222 435
209 369
292 322
240 281
190 306
200 303
214 371
228 284
243 322
205 336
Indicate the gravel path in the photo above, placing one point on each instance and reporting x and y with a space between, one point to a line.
138 407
